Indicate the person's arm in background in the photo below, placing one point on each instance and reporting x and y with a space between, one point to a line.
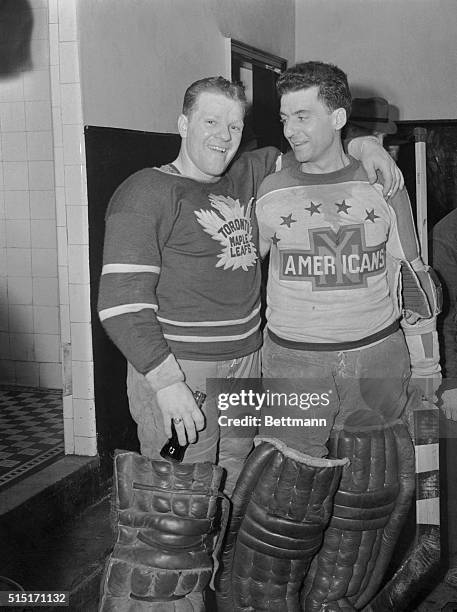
137 227
375 159
445 263
421 299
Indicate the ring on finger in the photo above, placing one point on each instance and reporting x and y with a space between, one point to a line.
177 420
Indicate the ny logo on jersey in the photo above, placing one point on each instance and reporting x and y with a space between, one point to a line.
335 260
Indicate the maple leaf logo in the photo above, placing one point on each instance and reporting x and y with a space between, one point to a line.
231 226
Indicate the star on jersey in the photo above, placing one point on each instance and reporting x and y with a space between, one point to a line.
274 239
371 215
288 220
343 207
314 208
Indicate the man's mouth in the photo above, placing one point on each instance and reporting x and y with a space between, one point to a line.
218 149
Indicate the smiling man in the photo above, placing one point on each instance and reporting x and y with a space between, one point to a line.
332 330
180 287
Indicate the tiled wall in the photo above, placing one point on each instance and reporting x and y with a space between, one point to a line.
45 335
29 300
72 229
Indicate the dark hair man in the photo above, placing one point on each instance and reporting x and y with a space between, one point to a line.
333 335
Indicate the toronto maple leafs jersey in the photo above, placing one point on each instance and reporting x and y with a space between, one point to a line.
334 258
180 270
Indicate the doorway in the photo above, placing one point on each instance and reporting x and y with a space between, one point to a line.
259 71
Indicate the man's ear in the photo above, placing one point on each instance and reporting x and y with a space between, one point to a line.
182 125
339 118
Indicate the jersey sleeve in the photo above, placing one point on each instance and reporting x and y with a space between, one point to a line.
137 226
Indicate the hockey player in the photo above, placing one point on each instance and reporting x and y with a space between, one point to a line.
333 328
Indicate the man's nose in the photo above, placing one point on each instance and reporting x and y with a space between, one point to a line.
224 132
288 129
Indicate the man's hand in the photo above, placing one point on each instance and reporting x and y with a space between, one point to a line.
374 158
177 402
449 403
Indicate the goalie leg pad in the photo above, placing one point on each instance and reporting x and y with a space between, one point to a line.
281 504
370 507
165 516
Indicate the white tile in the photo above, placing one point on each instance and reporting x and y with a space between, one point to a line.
44 262
62 246
37 85
75 184
67 402
51 375
40 146
46 319
47 348
18 234
22 347
38 115
39 50
67 20
7 372
3 263
65 329
79 303
2 204
69 440
53 11
55 86
4 317
73 143
19 262
84 417
17 204
71 103
15 175
54 59
42 204
66 368
81 341
4 345
41 175
59 172
3 290
2 233
12 88
20 319
64 295
83 379
44 234
40 23
27 373
78 264
69 62
12 116
78 225
57 126
20 290
14 146
61 208
45 292
87 447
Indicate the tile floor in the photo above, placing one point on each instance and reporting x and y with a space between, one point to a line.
31 431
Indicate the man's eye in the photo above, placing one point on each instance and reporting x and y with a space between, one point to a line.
236 128
211 122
